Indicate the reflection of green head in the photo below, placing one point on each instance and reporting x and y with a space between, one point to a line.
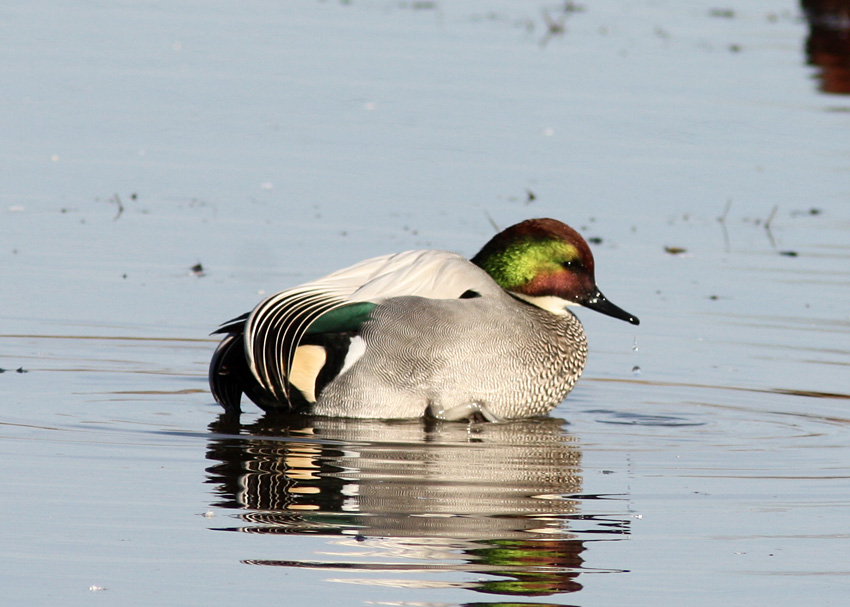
532 568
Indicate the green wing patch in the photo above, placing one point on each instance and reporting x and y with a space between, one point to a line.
343 319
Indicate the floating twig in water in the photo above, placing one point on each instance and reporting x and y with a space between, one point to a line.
770 217
492 222
768 223
722 220
726 13
812 211
554 27
117 200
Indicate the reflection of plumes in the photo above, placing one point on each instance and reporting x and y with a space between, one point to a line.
491 499
402 478
828 46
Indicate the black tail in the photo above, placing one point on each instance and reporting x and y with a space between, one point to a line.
230 376
228 370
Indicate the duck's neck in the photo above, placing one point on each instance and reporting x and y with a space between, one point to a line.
549 303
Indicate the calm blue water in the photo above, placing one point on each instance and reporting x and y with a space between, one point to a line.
702 459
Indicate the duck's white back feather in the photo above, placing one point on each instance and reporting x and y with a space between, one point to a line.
425 273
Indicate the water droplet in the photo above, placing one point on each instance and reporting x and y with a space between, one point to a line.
635 370
635 346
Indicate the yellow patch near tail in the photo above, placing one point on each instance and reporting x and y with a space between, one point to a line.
306 364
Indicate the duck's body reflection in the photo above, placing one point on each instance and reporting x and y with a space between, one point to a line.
502 499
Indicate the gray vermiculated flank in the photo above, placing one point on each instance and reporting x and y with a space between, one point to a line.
515 358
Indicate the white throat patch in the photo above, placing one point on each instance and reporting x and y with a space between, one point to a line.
551 303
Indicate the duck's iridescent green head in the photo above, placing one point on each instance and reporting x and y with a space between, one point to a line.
548 264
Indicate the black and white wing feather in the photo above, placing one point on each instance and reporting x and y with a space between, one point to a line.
275 328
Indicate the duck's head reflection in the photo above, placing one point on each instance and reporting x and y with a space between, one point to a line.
502 500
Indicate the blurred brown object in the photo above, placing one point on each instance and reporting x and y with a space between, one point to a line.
828 46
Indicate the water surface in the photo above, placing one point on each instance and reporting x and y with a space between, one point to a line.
702 459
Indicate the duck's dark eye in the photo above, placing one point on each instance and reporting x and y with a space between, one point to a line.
569 264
